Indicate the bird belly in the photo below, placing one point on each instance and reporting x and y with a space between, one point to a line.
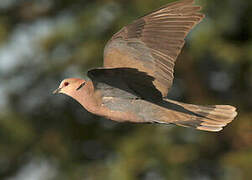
131 110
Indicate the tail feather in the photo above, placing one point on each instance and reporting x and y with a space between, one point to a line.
206 118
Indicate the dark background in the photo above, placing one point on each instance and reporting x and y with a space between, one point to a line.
44 137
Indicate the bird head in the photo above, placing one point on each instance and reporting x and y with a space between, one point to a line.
71 86
80 90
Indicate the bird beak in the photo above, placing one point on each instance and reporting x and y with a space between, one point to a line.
57 91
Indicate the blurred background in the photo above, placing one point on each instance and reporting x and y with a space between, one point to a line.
50 137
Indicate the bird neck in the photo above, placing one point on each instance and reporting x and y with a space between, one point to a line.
89 98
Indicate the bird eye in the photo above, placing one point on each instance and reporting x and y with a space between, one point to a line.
66 83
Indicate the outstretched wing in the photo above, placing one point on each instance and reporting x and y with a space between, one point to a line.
152 43
124 83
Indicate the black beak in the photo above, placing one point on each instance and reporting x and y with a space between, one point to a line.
57 91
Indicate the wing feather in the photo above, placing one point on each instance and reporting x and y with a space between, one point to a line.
161 33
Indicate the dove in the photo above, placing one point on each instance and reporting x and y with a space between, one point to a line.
137 74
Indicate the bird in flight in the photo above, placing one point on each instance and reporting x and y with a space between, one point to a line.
138 70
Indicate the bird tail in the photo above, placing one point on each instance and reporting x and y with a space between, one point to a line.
207 118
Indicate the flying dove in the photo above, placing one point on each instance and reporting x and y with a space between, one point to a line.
138 72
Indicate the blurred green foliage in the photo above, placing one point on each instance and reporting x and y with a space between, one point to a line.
51 137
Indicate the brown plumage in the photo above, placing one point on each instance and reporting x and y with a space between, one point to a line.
138 72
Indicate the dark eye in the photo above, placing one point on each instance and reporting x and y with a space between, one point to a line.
66 83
